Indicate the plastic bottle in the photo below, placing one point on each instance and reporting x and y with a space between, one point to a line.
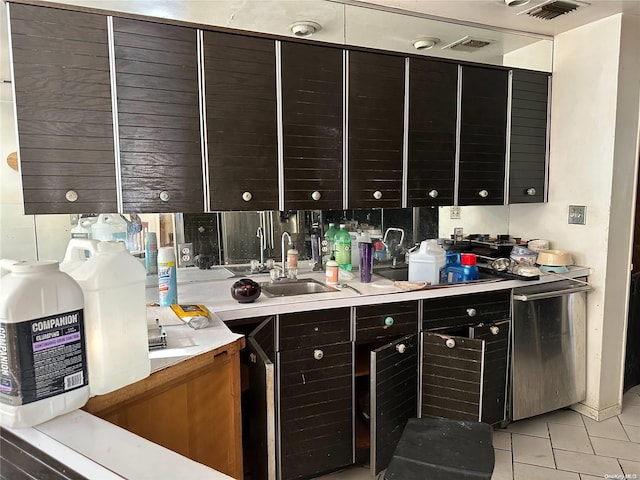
113 282
332 271
343 248
454 271
43 356
328 243
151 252
167 282
109 226
425 264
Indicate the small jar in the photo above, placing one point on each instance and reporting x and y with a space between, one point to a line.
292 258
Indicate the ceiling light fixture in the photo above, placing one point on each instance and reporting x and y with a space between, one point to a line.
515 3
425 43
304 28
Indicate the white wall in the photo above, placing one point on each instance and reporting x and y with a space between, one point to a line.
593 162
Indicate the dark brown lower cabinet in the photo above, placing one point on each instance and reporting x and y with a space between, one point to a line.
323 399
394 389
315 409
465 377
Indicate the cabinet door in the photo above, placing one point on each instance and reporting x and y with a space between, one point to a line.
394 392
315 409
483 136
158 117
63 106
528 155
496 360
451 376
241 119
262 402
376 129
312 116
433 94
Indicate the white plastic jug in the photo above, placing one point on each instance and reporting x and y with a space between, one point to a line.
425 264
43 368
109 226
113 282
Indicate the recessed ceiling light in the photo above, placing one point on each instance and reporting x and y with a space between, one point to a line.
515 3
304 28
425 43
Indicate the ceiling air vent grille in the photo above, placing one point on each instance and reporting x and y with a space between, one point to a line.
468 44
552 9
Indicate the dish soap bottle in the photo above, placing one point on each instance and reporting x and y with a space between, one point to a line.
332 271
343 248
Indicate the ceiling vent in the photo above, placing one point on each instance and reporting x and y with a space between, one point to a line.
552 9
468 44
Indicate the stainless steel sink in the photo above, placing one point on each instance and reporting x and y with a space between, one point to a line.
301 286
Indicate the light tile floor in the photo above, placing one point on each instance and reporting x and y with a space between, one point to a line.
561 445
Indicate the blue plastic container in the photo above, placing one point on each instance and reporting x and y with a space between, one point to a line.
454 271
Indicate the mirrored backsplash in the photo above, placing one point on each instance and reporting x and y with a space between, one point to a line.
231 237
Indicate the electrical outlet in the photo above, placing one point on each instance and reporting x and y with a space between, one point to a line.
577 214
454 213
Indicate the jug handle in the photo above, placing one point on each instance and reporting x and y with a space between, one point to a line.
5 265
76 248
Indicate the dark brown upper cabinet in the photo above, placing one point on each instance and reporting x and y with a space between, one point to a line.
433 94
158 117
483 136
376 129
312 118
64 114
528 154
241 119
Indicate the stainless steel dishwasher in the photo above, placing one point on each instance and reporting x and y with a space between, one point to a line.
549 347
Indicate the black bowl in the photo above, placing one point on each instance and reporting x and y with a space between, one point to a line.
245 290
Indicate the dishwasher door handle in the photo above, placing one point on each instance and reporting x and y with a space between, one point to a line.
524 297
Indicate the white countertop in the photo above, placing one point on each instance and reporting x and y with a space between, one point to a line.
215 293
100 450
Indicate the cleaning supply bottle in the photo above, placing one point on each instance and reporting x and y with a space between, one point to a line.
343 248
113 283
328 243
43 348
331 271
458 270
167 282
425 264
151 252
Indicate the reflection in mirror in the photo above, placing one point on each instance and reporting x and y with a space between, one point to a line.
228 238
491 219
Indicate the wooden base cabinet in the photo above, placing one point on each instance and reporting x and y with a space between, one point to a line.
192 408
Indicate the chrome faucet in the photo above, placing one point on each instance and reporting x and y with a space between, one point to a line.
396 250
284 253
263 245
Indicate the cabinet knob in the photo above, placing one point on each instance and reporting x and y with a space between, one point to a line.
494 330
471 312
316 195
71 195
483 193
318 354
450 343
377 194
388 321
531 191
164 196
433 193
246 196
401 348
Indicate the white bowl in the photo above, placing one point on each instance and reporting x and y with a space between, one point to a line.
554 258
